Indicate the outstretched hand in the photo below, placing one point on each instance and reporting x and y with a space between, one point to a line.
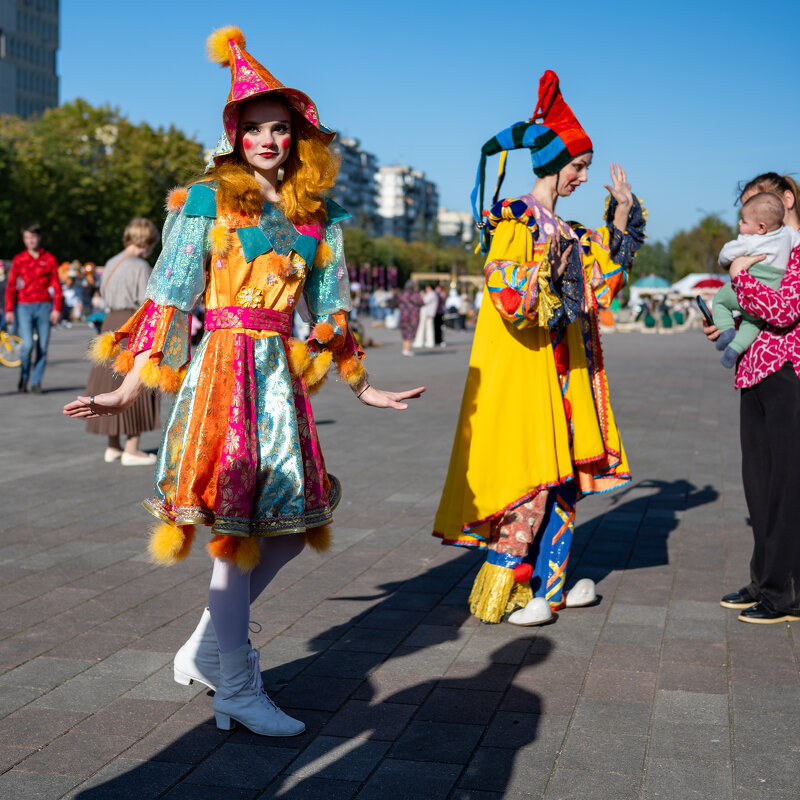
101 405
378 398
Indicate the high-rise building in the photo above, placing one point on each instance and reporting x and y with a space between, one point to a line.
456 228
28 45
355 189
407 203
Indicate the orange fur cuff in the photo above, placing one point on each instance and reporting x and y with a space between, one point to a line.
176 198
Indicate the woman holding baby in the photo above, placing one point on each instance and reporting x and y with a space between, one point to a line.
767 374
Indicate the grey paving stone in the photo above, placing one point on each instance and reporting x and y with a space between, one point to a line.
44 672
127 779
437 742
698 742
623 717
748 698
191 791
509 771
14 697
29 786
241 766
625 613
691 707
586 749
134 665
406 779
84 693
569 784
673 779
297 787
339 758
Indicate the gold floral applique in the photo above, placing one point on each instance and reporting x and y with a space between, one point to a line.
249 297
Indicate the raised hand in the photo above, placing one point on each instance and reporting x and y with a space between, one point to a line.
620 190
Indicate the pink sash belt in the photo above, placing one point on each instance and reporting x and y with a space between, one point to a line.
256 319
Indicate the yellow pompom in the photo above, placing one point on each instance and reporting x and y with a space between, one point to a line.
176 198
322 332
319 539
170 379
248 554
170 543
351 370
324 255
103 348
298 356
318 368
150 375
123 363
217 43
220 238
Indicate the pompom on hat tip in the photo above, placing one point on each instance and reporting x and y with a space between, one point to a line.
217 44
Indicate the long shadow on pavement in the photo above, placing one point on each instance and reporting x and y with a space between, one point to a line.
389 711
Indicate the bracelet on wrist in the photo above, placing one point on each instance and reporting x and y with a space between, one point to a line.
366 386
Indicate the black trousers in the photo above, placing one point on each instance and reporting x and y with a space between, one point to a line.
770 438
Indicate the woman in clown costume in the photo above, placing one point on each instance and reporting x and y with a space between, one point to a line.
536 389
240 452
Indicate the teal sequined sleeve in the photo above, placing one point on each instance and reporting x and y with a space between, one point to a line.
178 278
327 289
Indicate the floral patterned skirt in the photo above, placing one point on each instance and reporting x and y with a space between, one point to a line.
240 452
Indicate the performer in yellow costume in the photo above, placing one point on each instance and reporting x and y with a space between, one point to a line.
536 431
254 237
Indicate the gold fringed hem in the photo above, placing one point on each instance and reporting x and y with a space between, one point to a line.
495 592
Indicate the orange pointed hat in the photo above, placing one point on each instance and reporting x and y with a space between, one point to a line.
226 47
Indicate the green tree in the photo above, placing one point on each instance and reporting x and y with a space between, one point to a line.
653 259
84 172
697 250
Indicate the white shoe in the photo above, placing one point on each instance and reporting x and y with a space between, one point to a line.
583 593
537 612
198 658
133 460
241 697
408 352
111 454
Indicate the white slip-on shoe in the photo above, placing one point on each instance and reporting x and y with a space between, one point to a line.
241 697
198 657
111 454
537 612
134 460
583 593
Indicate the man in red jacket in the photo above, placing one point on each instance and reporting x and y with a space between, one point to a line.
34 288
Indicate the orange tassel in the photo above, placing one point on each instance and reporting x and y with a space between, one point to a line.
176 198
217 44
248 554
123 363
150 374
220 238
223 547
170 379
170 543
298 356
103 348
350 370
318 369
319 538
322 332
281 266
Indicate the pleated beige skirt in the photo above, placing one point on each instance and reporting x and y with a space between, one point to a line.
142 416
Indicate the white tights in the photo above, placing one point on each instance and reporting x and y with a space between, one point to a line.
231 593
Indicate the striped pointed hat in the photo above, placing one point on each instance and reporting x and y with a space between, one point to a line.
226 47
553 135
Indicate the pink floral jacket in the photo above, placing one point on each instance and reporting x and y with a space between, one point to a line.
779 342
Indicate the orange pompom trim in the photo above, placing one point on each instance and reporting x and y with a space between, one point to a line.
319 538
223 547
350 370
176 198
281 265
123 363
103 348
170 379
170 543
322 332
318 369
244 552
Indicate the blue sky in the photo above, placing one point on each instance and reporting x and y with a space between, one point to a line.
690 97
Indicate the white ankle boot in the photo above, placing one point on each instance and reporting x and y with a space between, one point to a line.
198 658
241 697
583 593
536 612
